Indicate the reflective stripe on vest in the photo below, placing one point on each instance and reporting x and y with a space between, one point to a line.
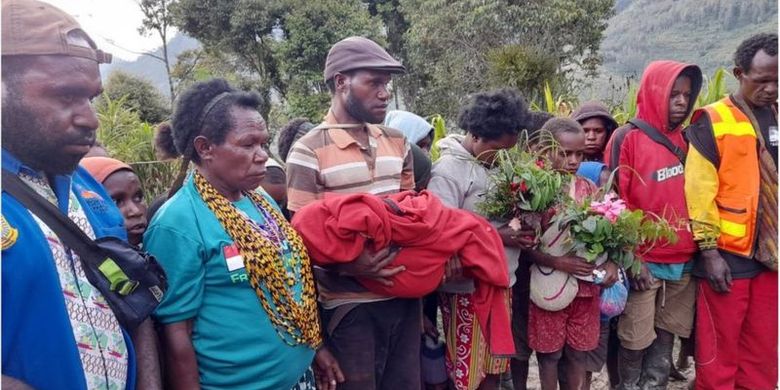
733 228
738 177
731 122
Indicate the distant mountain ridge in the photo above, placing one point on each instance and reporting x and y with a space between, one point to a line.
150 68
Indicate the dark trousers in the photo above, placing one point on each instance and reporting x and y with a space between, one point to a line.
521 295
377 345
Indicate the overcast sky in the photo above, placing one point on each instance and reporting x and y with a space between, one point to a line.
111 20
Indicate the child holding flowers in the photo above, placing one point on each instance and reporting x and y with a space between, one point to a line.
589 231
568 333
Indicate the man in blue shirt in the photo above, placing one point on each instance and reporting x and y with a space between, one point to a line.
57 330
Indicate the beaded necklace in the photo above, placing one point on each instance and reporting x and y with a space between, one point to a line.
264 249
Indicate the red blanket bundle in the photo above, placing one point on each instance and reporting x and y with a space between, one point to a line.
336 230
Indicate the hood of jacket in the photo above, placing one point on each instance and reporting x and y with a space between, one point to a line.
452 145
412 125
656 87
595 109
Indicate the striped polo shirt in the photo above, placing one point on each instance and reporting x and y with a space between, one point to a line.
329 161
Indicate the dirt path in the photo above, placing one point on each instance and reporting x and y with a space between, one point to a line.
601 380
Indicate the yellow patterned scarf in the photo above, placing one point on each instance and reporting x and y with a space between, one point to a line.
295 322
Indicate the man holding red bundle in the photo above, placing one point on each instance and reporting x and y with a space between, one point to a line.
375 338
430 235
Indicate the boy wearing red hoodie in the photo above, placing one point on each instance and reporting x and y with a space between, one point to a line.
650 150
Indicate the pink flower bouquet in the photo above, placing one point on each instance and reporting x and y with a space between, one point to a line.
607 227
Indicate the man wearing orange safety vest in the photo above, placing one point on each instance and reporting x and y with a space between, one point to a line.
731 191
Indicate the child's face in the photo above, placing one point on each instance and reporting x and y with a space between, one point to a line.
568 154
125 189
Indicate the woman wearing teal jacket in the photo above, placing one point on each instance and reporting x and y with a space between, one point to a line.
240 311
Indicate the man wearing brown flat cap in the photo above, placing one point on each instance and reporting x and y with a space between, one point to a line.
375 339
57 330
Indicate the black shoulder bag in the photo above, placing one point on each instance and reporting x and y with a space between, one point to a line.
131 281
656 136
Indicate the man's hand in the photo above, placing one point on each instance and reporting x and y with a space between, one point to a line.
373 265
644 281
327 373
718 271
573 265
612 271
453 270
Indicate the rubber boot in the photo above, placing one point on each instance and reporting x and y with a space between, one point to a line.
629 369
658 362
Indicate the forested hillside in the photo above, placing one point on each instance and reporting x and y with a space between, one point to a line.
705 32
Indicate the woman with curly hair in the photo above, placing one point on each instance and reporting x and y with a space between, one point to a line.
240 311
493 121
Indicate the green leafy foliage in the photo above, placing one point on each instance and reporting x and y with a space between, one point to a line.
310 29
628 108
621 235
138 94
243 30
520 183
439 132
521 67
127 138
560 105
714 88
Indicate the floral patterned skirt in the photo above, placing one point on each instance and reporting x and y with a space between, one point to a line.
468 357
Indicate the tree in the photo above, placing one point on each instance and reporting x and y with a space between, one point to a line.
202 64
158 19
521 67
396 26
139 95
461 51
244 29
394 20
310 29
281 43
